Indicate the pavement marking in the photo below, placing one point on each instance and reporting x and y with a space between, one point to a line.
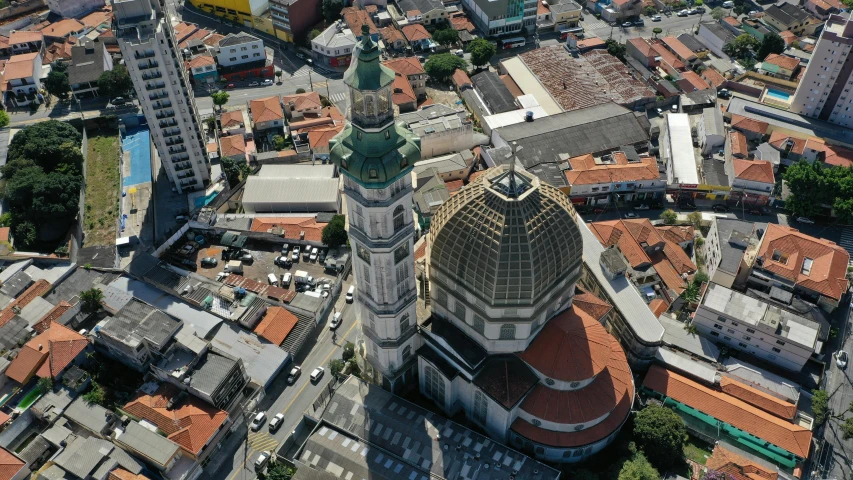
339 97
262 441
594 24
298 394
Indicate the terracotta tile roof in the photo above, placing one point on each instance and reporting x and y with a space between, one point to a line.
24 366
713 77
737 467
460 78
695 80
658 306
51 316
201 61
10 465
668 273
475 175
789 37
757 398
213 40
290 227
199 34
319 136
266 109
371 8
642 46
754 170
420 252
454 186
24 36
588 43
4 417
676 233
355 18
233 146
276 324
829 261
303 101
542 8
47 354
783 61
830 154
780 141
391 35
37 289
406 66
628 235
183 29
788 436
59 50
20 66
402 93
738 142
4 234
592 305
679 48
511 85
122 474
732 21
98 17
416 32
461 22
190 424
63 28
748 124
585 171
667 56
4 41
231 119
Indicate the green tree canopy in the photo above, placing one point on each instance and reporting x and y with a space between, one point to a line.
335 232
615 48
481 51
669 216
56 196
446 36
220 98
695 219
815 187
25 233
638 468
4 118
741 47
657 31
59 66
336 366
331 10
43 143
115 82
57 84
718 13
440 67
660 433
772 43
91 299
235 170
820 405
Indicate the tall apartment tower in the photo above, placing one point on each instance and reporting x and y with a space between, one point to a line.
826 89
376 156
151 55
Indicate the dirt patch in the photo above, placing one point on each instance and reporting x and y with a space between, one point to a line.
444 95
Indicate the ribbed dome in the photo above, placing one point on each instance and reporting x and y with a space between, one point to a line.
507 238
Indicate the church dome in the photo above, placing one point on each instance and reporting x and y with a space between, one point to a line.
506 238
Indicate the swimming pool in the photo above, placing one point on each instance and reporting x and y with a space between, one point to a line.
778 94
203 201
137 141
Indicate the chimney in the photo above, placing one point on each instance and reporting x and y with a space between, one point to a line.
40 347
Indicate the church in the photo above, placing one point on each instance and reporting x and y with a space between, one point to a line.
517 332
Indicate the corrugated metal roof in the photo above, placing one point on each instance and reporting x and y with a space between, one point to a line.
291 190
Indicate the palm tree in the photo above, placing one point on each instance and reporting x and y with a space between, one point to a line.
91 300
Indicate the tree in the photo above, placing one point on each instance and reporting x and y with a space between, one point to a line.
6 219
332 9
59 66
657 31
700 277
314 34
336 366
220 98
660 433
278 142
481 51
440 67
698 3
4 118
235 170
820 405
616 49
45 384
649 11
210 122
115 82
446 36
349 351
57 84
56 198
91 299
638 468
741 47
812 186
300 90
695 219
669 216
278 74
718 13
847 428
25 233
20 188
771 43
277 471
691 293
42 141
96 395
335 233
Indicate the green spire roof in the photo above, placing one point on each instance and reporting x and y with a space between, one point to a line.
367 72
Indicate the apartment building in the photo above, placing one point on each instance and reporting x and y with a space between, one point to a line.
501 18
293 19
824 90
759 328
73 8
333 48
148 46
240 48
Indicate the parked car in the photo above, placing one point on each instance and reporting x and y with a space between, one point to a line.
283 261
286 279
631 215
674 108
262 461
313 256
336 321
267 82
699 9
322 255
728 4
295 372
285 248
230 86
841 359
656 18
258 421
255 84
317 374
276 422
805 220
639 22
719 207
209 262
247 257
627 24
724 93
641 207
118 101
683 13
295 255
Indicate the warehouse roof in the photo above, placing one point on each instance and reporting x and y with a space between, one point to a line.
290 190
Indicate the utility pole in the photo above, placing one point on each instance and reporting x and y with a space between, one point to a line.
310 82
327 90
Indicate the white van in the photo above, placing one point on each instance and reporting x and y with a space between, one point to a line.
286 279
273 279
728 4
350 294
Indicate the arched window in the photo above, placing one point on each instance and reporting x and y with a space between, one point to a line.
507 332
407 352
399 218
404 322
434 385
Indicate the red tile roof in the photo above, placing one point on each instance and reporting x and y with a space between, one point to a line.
290 227
732 21
4 417
63 28
783 61
391 35
695 80
726 408
420 252
667 56
642 46
10 465
475 175
460 78
679 48
190 424
25 364
748 124
713 77
320 136
51 316
4 234
122 474
266 109
24 36
416 32
402 93
98 17
585 171
406 66
201 61
47 354
754 170
461 22
738 142
658 306
830 154
829 261
303 101
199 34
213 40
676 233
789 37
592 305
276 324
233 118
756 397
37 289
454 186
233 146
736 467
355 18
780 141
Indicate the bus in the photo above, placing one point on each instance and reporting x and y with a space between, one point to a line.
564 33
514 42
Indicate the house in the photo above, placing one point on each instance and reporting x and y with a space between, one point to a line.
216 379
816 149
89 60
48 354
185 420
91 457
429 12
73 8
729 247
21 79
137 334
61 51
616 10
461 80
155 450
12 467
732 23
315 138
711 130
667 60
822 9
58 31
752 129
393 38
736 466
454 166
737 146
690 81
813 268
752 181
418 37
266 114
203 69
680 50
779 66
234 147
21 41
641 50
715 37
235 122
240 48
430 192
299 106
713 77
411 70
333 48
354 18
276 324
598 180
792 18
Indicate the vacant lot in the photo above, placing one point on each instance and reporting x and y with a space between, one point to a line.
102 188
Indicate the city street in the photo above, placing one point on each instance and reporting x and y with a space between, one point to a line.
834 460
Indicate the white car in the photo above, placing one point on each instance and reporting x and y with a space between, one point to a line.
267 82
254 84
317 374
336 321
841 359
631 215
262 461
314 253
258 421
276 422
656 18
805 220
294 256
683 13
641 207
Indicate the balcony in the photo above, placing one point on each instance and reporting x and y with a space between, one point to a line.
176 141
179 167
155 86
145 54
280 17
159 105
171 132
180 149
148 64
165 114
278 8
168 123
152 75
189 183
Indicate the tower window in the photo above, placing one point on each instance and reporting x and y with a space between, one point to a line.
373 172
481 407
507 332
399 217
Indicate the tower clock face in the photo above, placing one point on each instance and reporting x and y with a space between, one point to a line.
363 253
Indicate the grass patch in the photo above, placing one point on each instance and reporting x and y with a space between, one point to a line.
103 178
697 451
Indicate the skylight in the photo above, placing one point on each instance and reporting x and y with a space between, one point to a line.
807 265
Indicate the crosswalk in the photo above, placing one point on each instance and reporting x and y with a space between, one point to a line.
338 97
262 441
594 24
302 72
847 239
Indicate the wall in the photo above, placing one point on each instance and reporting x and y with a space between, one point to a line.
21 7
174 238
